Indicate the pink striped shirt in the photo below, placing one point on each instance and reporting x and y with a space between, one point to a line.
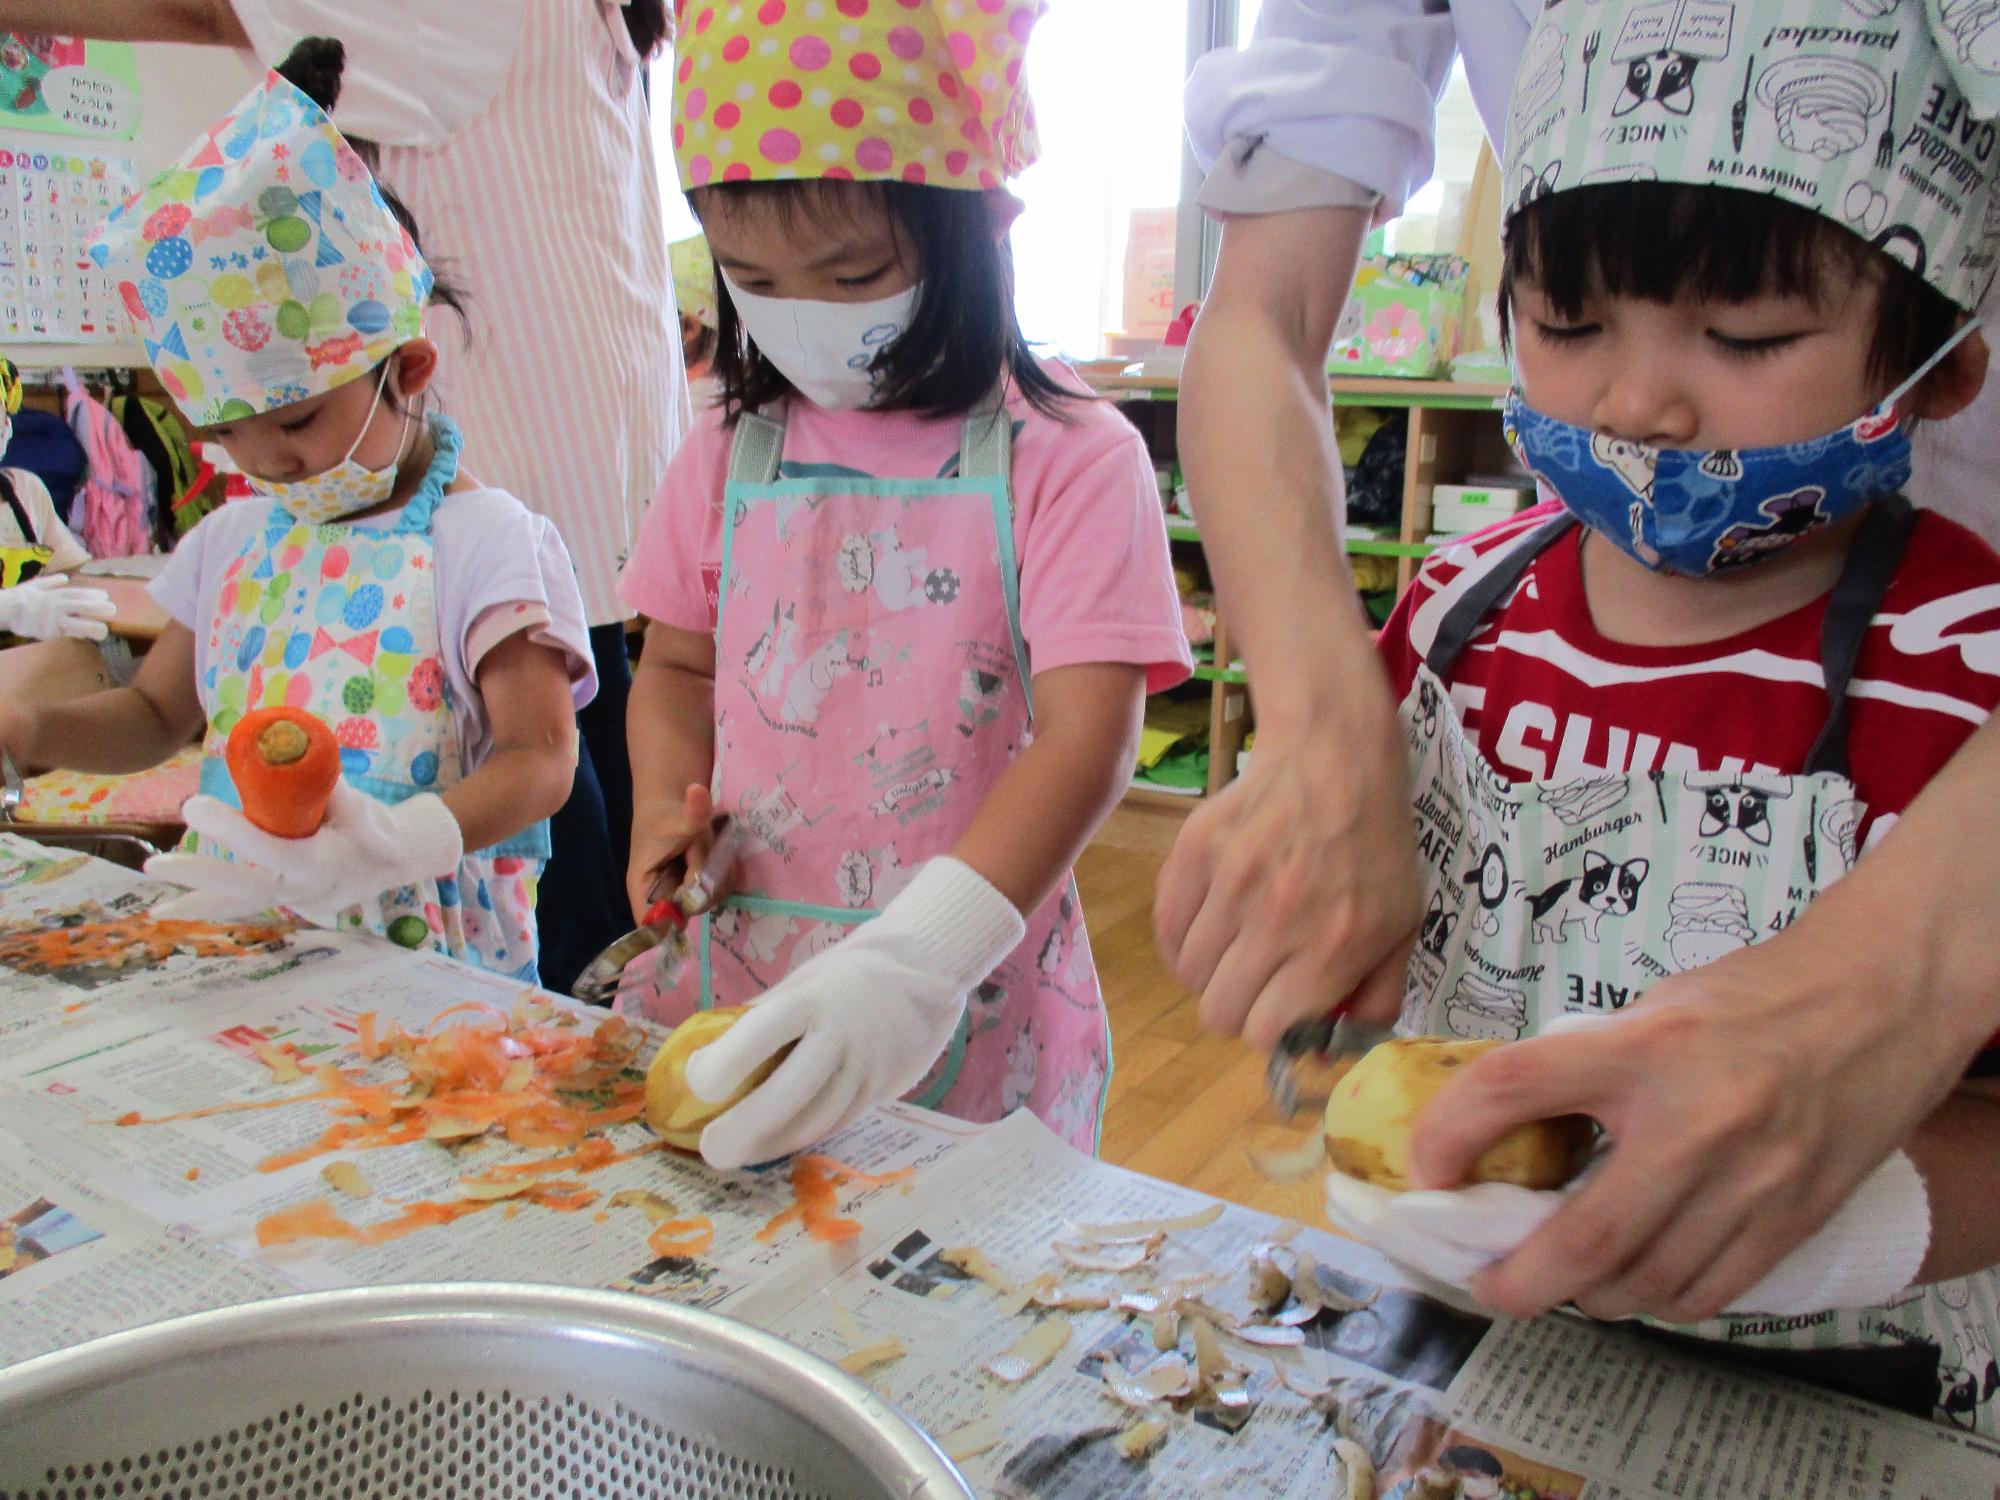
516 131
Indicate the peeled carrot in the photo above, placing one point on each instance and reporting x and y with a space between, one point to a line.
284 762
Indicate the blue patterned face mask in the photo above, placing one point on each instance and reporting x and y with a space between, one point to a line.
1697 512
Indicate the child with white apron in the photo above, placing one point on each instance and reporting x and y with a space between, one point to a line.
909 587
1611 785
433 624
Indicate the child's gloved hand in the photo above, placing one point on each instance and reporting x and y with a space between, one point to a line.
47 608
870 1015
364 848
1861 1257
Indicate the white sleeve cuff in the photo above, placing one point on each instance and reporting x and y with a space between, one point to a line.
430 837
1870 1250
955 921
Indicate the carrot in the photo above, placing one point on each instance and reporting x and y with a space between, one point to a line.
284 762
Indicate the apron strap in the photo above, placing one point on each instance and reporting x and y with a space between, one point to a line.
1461 622
1871 567
755 450
986 450
8 494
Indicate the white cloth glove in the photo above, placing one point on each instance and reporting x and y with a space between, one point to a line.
1870 1250
47 608
870 1015
364 848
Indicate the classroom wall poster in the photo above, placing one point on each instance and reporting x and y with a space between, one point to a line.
53 195
65 85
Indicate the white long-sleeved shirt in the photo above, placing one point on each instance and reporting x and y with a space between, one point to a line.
516 132
1333 103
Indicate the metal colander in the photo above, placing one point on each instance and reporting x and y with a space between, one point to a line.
458 1392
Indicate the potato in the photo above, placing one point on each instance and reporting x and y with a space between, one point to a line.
1374 1109
676 1113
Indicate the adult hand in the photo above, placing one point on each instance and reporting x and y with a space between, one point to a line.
1296 888
1747 1101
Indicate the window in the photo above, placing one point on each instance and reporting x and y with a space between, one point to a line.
1094 253
1098 255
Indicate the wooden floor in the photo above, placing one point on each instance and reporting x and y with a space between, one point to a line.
1185 1105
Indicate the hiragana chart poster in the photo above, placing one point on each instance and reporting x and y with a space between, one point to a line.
53 195
65 85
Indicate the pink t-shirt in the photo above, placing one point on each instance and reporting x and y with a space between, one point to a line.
1089 534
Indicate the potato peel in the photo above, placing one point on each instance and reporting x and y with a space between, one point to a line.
1292 1165
1145 1229
973 1262
873 1357
1357 1469
1166 1379
1057 1295
980 1435
1270 1283
1142 1439
1040 1345
284 1067
1126 1255
345 1177
656 1209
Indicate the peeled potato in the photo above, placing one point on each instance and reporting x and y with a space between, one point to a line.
676 1113
1374 1109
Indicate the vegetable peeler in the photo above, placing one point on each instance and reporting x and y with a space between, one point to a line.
1313 1056
663 927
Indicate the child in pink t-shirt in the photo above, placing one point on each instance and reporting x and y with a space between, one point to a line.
898 531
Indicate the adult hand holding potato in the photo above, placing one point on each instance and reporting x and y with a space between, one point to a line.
1857 1249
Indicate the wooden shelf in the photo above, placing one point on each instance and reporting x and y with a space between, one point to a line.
1453 431
1141 795
1344 390
1359 546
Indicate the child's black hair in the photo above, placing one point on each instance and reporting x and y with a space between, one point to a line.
1659 240
964 332
314 67
648 23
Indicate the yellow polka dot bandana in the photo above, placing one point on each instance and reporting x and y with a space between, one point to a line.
921 91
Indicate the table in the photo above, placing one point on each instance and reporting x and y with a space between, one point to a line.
106 1225
138 619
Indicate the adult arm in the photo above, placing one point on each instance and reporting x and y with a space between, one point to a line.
1749 1098
1298 885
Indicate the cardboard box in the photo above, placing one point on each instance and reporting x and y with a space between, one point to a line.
1149 273
1457 508
1402 318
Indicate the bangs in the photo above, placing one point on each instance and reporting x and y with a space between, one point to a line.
1661 241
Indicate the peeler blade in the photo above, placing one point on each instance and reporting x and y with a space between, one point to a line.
1313 1056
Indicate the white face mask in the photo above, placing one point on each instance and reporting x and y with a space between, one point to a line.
349 486
824 348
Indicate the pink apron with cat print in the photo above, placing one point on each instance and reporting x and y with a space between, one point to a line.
871 687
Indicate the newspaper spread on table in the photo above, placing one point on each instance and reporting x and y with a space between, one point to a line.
104 1226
